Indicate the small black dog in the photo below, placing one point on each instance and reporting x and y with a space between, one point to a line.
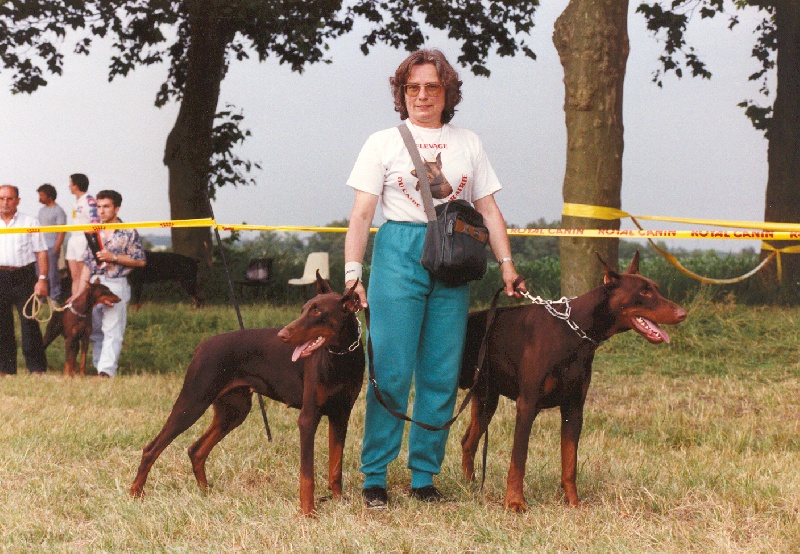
165 266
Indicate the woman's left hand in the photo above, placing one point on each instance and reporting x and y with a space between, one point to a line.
510 278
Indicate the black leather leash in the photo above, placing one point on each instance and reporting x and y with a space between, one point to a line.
479 366
400 415
238 311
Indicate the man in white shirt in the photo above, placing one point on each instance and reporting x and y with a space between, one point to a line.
20 254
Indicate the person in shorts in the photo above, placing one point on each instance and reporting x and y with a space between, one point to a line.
84 212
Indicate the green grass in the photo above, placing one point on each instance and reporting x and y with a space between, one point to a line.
687 447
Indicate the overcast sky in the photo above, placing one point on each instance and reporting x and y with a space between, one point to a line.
689 150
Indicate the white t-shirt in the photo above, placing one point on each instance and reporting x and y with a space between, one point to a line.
457 168
19 249
84 212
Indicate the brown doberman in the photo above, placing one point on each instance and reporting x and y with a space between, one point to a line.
75 323
543 361
315 364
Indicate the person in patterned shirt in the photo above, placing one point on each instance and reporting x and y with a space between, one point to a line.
121 251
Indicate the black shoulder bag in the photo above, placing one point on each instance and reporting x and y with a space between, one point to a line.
455 240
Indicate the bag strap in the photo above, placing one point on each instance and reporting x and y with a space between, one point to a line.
422 173
479 365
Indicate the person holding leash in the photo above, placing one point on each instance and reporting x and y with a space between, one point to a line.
20 254
418 324
121 252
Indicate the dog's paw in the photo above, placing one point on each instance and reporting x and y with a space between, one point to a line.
518 506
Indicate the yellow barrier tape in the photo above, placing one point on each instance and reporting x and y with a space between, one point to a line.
777 253
649 234
769 231
780 231
602 212
287 228
205 222
546 232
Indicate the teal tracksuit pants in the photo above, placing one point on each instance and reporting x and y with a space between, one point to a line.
417 329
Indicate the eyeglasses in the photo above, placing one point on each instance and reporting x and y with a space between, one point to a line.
431 89
8 198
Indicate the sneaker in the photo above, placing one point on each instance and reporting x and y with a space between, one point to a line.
427 494
375 498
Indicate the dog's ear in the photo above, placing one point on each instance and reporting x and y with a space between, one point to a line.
634 265
351 301
610 275
323 286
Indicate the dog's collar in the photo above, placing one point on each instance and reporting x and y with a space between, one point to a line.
352 346
70 308
565 315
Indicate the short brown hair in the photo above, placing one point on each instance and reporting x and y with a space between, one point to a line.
49 190
114 196
448 76
80 180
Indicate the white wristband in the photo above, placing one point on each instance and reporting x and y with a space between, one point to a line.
352 271
504 260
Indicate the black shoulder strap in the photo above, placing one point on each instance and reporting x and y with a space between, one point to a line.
422 174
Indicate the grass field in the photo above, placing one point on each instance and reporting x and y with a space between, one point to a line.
687 447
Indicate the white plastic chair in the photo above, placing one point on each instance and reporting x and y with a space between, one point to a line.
316 261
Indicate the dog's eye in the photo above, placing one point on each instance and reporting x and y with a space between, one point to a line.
316 312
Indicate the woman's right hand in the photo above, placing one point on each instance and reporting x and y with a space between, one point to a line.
360 291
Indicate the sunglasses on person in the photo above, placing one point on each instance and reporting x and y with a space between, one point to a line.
431 89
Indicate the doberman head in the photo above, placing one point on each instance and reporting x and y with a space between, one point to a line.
97 293
440 187
634 302
322 320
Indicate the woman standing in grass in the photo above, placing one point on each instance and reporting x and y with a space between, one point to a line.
417 323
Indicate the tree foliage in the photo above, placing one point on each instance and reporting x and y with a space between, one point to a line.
199 39
669 21
295 32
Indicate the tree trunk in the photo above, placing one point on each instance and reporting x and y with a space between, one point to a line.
591 37
189 147
783 180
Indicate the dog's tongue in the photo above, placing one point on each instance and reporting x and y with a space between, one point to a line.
299 350
650 330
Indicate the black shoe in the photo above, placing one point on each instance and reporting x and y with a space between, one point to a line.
375 498
427 494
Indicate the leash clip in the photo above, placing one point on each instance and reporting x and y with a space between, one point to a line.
352 346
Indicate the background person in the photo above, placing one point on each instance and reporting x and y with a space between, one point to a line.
20 253
417 324
122 251
52 214
84 212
